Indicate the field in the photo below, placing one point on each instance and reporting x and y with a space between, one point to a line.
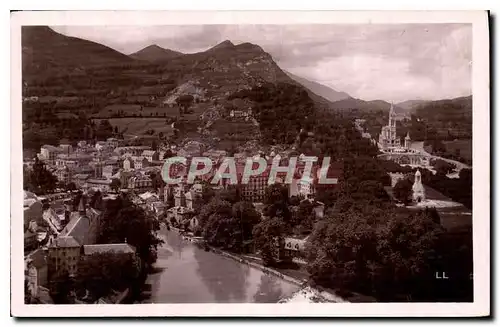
464 146
139 126
135 109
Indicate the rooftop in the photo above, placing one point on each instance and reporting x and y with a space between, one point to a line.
65 242
103 248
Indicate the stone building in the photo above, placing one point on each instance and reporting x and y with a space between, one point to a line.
388 137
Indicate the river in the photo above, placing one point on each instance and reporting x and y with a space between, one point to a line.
187 274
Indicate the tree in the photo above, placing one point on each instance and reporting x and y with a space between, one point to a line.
104 130
71 186
443 167
184 102
124 221
231 194
402 191
276 202
170 199
38 179
388 254
157 181
215 206
100 273
96 200
268 235
61 285
115 184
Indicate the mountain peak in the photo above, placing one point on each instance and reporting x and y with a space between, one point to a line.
44 49
223 45
154 52
154 46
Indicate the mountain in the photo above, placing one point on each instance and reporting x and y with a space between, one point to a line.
358 104
44 50
227 68
223 45
450 118
319 89
448 110
155 53
411 105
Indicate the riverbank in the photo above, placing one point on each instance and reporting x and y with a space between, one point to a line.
185 273
319 294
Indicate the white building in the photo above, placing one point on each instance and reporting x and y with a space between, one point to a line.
418 188
388 137
49 153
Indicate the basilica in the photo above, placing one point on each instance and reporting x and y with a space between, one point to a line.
388 137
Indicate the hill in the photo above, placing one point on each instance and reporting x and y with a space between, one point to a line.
155 53
364 106
319 89
411 105
44 50
450 118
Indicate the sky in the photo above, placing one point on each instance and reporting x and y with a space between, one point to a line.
395 62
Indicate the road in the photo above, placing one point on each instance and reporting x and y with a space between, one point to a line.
188 274
420 147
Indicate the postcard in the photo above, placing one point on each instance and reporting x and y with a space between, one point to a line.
259 164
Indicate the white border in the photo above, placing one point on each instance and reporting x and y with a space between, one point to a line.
481 211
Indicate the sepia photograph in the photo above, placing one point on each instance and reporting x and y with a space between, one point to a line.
324 160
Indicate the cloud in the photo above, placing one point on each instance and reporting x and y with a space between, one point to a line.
391 62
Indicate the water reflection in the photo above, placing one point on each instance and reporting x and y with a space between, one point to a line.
188 274
226 279
268 290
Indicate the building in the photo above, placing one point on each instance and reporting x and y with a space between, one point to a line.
128 164
180 196
179 214
407 141
113 142
52 219
33 209
305 187
293 248
80 180
64 254
36 271
30 241
98 166
133 150
116 248
101 184
140 183
388 137
63 175
83 225
418 188
49 153
150 155
109 171
140 162
66 148
64 250
238 114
